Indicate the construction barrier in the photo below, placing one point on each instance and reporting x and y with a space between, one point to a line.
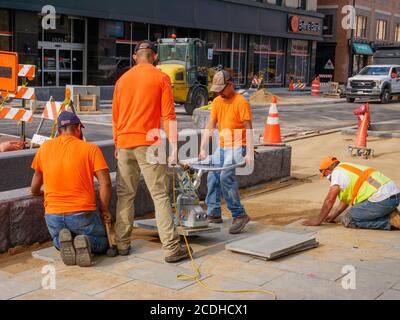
8 71
256 82
27 71
52 110
16 114
324 77
298 86
22 93
315 88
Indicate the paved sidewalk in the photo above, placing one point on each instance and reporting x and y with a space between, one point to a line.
314 274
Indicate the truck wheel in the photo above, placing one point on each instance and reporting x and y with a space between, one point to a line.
385 97
350 100
197 99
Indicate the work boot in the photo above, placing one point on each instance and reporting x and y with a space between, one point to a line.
346 221
394 219
179 255
238 224
83 251
67 250
124 252
215 219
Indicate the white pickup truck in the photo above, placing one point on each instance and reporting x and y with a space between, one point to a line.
375 81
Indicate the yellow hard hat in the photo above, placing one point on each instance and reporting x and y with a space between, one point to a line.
327 162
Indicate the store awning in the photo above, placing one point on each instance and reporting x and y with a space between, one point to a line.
363 49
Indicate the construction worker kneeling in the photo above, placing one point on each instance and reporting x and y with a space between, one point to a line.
66 166
373 197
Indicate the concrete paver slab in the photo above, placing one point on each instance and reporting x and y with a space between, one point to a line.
296 286
50 254
397 286
220 282
390 295
236 269
310 267
163 275
138 290
128 267
386 266
19 285
373 280
5 276
89 281
271 244
56 294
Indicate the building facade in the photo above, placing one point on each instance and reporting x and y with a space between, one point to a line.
377 23
93 40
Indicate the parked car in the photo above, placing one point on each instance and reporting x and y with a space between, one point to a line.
375 82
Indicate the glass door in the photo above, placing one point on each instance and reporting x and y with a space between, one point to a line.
49 57
62 53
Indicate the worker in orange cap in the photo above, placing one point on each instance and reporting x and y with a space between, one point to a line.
373 197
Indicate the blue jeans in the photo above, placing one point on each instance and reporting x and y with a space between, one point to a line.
224 182
80 223
373 215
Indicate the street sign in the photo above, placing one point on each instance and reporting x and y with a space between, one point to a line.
329 65
8 71
210 54
38 139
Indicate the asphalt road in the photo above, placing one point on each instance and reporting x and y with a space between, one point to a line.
298 118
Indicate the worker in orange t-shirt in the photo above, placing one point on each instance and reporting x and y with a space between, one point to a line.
232 113
66 166
143 96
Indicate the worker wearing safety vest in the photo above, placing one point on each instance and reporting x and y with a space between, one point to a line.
373 197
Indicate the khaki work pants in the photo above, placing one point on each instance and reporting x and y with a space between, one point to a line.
132 162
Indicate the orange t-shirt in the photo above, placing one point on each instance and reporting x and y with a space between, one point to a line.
230 115
68 165
142 96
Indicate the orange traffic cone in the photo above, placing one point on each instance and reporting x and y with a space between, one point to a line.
362 132
272 129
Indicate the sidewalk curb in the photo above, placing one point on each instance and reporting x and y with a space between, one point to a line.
336 101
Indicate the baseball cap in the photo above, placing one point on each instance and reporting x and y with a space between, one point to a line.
68 119
146 44
220 81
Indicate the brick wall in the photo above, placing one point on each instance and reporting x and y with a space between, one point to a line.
388 10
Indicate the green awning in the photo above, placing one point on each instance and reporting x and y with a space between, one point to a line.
363 48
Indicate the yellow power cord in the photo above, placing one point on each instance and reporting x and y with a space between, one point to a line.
197 276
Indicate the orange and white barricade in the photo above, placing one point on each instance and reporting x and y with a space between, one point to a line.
22 71
22 93
17 114
52 110
27 71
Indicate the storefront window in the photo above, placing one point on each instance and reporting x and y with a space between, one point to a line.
359 62
298 61
239 58
5 34
268 59
222 45
115 41
156 32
